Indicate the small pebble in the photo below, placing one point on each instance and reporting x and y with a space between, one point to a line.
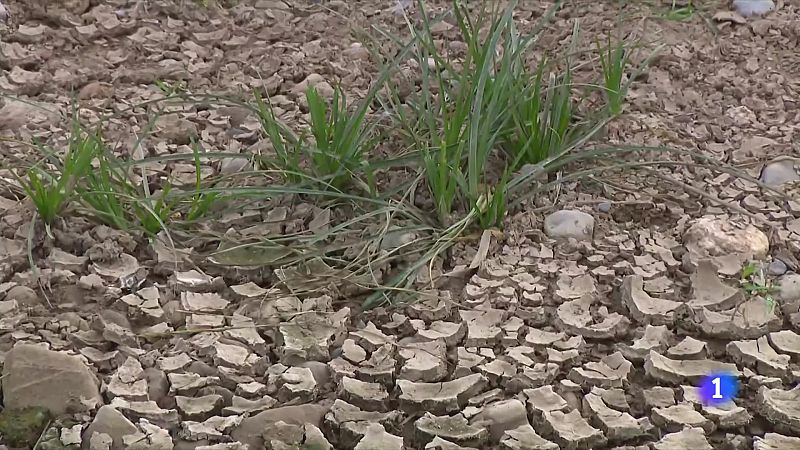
604 207
777 267
748 8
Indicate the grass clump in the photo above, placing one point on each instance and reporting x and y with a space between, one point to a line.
52 182
332 153
613 61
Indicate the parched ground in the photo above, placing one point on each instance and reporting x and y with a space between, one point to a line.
590 323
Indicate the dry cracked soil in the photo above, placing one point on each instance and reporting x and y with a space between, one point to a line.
589 323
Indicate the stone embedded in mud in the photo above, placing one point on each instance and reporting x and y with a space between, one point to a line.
368 396
675 418
759 355
525 438
35 376
781 170
571 431
788 296
679 371
781 408
569 223
711 236
643 307
610 372
455 429
775 441
575 317
423 361
688 438
688 348
353 352
376 437
439 398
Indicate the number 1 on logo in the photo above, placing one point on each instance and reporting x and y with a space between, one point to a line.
716 383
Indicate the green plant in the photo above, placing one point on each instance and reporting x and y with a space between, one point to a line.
51 188
460 116
335 154
613 61
340 139
680 13
756 284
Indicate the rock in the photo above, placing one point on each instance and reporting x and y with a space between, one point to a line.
675 418
618 426
371 338
199 408
575 317
380 367
452 333
369 396
23 295
788 296
571 431
213 429
643 307
455 429
760 355
501 416
728 416
781 170
749 8
610 372
689 438
250 429
303 342
439 398
569 223
525 438
711 236
781 408
111 422
151 437
688 348
677 371
376 438
424 361
775 441
440 444
777 268
34 376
